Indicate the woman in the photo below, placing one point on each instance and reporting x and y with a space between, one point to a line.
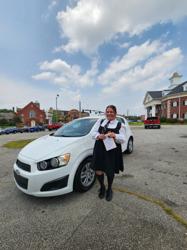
108 161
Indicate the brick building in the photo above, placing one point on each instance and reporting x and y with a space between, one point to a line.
32 115
170 103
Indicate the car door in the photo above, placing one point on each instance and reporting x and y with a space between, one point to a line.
124 145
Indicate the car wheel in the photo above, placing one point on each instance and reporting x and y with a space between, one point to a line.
130 146
84 177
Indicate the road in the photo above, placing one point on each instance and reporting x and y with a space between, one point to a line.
148 210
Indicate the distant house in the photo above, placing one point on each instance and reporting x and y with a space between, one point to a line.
32 115
73 114
169 103
64 115
152 103
7 115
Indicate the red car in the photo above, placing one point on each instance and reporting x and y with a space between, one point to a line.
152 122
54 126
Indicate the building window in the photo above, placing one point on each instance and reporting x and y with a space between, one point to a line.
185 102
185 87
32 114
164 106
185 115
174 116
174 104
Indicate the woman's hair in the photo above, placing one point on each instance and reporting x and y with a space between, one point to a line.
112 107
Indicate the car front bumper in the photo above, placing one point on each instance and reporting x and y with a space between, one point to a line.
43 183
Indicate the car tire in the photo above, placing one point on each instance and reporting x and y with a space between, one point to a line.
84 177
129 146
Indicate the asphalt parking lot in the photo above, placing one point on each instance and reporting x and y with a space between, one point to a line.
148 210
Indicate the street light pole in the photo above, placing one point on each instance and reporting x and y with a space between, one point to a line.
56 106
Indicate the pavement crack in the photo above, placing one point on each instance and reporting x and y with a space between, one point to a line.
167 209
77 227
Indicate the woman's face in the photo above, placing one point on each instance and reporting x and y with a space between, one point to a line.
110 114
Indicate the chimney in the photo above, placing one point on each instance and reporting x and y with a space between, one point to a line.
37 104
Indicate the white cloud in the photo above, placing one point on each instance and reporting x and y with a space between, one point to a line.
44 76
143 67
125 45
136 54
148 76
63 74
90 23
52 4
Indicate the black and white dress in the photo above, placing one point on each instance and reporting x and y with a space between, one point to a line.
111 161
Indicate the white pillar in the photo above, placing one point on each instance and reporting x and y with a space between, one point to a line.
145 113
153 110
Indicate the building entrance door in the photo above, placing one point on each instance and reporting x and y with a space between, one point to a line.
33 123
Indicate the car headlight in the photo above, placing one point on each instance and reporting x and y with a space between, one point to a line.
43 165
53 163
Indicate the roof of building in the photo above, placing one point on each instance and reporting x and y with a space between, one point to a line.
19 111
155 94
177 89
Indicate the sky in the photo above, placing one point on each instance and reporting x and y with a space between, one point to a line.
99 52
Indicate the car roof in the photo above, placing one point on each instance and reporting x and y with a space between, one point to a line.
98 117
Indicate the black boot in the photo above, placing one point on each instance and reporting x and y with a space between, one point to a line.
109 194
101 194
102 186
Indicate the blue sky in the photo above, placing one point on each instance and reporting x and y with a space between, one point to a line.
99 52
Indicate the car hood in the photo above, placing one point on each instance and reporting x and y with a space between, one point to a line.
46 147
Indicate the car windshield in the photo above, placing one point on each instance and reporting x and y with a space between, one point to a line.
76 128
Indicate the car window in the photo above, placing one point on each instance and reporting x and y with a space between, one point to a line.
76 128
152 118
120 120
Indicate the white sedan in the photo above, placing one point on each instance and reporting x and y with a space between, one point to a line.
59 163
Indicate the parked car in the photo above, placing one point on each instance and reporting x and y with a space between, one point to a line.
36 129
2 131
59 163
12 130
152 122
41 128
54 126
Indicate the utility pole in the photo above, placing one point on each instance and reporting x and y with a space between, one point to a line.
57 107
79 105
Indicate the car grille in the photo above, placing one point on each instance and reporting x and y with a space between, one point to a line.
21 181
23 166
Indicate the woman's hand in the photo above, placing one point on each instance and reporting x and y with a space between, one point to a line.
101 137
111 135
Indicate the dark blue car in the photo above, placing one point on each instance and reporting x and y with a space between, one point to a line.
10 131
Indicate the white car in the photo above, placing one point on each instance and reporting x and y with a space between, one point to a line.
59 163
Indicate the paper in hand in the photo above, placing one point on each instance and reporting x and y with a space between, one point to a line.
109 143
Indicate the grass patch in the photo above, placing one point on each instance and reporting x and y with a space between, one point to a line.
136 123
17 144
